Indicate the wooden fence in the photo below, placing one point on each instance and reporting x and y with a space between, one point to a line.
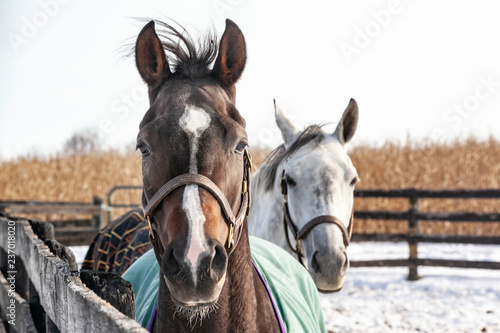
412 216
413 237
77 231
41 290
81 233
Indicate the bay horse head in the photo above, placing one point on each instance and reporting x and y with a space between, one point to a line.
306 187
194 159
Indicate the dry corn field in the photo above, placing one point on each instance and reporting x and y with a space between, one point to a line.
463 165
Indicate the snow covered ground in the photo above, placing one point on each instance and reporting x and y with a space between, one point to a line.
443 300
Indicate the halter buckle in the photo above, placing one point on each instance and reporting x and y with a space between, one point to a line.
230 236
244 189
151 232
299 245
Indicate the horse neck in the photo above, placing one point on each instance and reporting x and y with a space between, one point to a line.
243 306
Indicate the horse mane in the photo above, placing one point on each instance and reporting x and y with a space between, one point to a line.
268 169
185 55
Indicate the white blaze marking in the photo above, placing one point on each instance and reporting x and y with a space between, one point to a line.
193 122
196 237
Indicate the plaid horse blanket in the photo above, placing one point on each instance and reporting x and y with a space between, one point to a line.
292 289
119 244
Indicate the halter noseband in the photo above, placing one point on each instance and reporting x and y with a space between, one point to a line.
234 222
306 229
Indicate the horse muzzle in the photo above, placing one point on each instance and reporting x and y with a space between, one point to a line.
328 268
199 283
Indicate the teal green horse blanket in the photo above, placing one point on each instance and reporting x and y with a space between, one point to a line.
292 289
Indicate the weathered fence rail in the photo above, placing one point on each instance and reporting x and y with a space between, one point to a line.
51 207
75 231
413 237
68 232
48 294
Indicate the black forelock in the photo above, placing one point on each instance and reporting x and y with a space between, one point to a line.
185 55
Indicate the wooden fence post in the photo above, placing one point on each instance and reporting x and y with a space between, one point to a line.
98 220
412 243
68 304
113 289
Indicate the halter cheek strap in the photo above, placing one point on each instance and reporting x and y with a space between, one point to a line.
300 234
234 222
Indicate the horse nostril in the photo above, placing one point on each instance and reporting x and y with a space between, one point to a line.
345 265
314 263
171 266
322 262
219 262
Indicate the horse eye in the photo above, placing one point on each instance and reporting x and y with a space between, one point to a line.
289 180
240 148
145 151
354 181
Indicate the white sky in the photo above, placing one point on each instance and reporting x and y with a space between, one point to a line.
419 69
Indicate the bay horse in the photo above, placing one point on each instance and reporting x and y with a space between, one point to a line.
201 275
305 190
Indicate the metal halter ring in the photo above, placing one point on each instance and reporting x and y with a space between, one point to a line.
150 228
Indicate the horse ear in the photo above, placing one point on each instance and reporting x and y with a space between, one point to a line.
347 126
232 56
150 57
288 130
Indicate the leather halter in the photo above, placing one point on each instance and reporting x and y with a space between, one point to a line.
233 222
306 229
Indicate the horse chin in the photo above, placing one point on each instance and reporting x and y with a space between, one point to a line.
326 286
193 307
330 291
193 313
